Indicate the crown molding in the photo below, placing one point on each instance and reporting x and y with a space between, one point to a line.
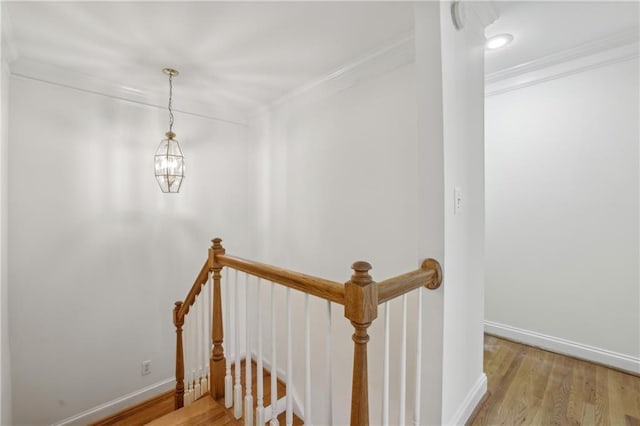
568 67
25 68
385 58
627 37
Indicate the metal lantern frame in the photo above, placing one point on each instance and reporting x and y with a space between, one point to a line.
169 160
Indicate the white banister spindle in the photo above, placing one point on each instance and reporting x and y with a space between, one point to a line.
385 366
237 389
418 392
189 360
307 362
196 348
403 361
329 364
289 416
228 380
274 362
260 369
248 397
204 309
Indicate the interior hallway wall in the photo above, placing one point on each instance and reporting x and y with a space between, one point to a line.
562 213
97 254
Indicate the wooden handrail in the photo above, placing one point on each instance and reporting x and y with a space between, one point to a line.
325 289
429 275
360 297
201 279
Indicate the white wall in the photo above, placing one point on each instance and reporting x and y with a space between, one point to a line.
562 213
5 359
463 382
97 253
366 172
343 185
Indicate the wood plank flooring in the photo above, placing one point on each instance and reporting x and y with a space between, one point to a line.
527 386
159 411
530 386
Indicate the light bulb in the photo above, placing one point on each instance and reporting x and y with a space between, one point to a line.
496 42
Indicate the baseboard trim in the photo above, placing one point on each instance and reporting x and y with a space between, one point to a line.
470 402
119 404
566 347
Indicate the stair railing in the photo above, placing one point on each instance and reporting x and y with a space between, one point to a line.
360 296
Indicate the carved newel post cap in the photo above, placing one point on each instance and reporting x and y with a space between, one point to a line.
216 243
361 273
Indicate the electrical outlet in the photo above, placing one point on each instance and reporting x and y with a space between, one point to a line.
146 367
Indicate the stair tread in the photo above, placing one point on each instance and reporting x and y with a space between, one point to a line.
205 411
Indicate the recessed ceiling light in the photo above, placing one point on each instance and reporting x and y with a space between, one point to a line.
496 42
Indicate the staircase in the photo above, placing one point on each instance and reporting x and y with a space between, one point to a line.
207 411
211 390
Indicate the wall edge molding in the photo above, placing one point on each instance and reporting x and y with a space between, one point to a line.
470 402
116 405
30 69
571 67
378 61
629 36
565 347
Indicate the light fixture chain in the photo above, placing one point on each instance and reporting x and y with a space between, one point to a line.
170 100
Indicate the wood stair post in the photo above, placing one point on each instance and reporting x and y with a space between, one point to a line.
361 308
217 362
179 322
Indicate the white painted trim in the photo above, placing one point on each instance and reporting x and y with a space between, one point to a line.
470 402
119 404
30 69
379 61
570 67
630 36
565 347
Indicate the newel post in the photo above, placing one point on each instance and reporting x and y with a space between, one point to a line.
361 308
179 322
217 362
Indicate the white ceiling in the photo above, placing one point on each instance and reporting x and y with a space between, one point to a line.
237 54
546 27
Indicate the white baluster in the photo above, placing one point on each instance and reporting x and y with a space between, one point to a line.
248 397
403 361
189 360
385 367
274 363
307 362
416 407
289 416
237 389
329 363
228 380
260 369
196 348
206 325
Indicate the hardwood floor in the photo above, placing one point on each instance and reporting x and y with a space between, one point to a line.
142 413
530 386
527 386
159 411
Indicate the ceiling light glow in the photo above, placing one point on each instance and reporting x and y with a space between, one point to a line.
496 42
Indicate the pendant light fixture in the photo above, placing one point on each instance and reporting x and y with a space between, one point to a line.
169 161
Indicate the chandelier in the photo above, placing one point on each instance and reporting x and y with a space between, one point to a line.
169 161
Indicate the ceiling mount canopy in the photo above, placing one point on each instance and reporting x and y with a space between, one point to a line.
169 161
